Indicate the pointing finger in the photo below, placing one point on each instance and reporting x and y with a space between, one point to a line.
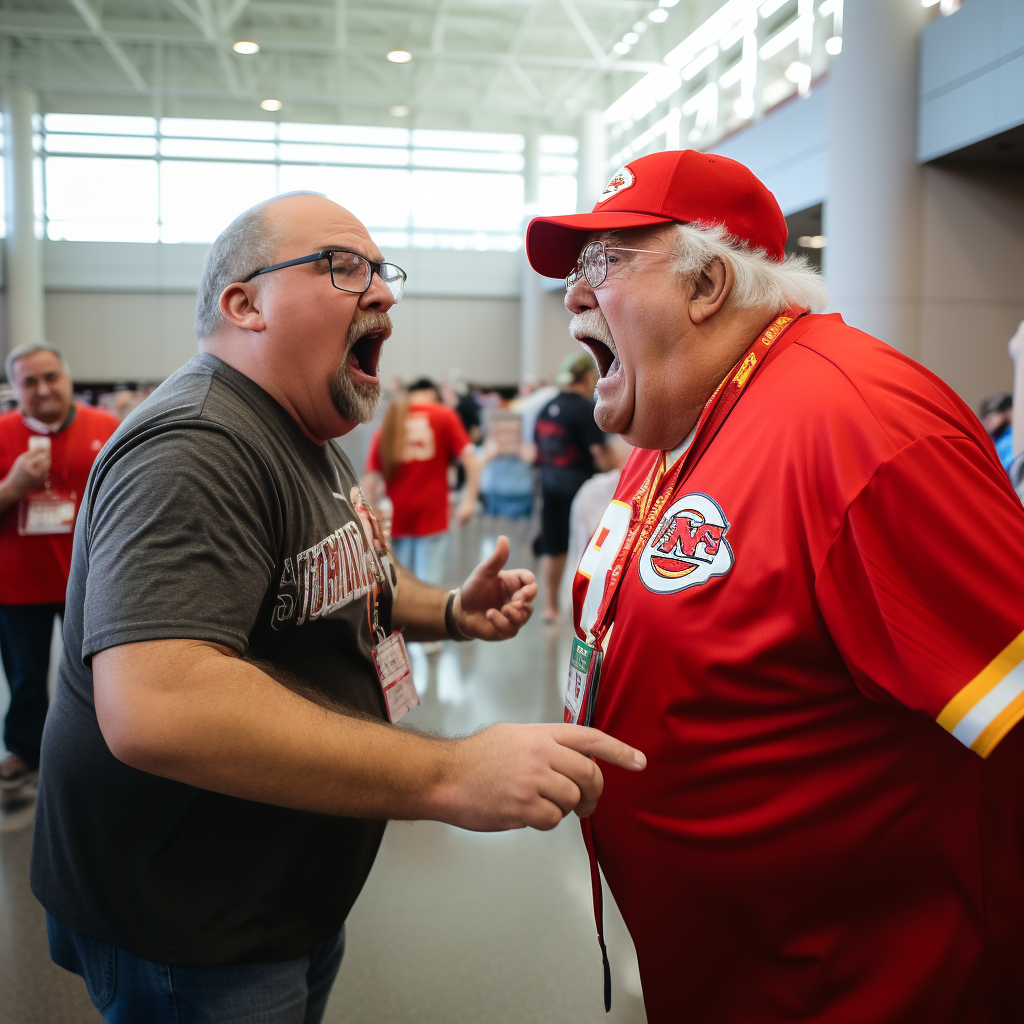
595 743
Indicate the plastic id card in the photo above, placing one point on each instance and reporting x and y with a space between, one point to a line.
584 675
391 659
45 512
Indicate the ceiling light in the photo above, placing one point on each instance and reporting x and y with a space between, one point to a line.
658 15
271 104
667 3
399 110
631 38
399 56
639 26
621 48
744 107
797 71
246 46
929 3
834 45
812 241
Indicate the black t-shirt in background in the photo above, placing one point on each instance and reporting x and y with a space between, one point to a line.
564 433
208 516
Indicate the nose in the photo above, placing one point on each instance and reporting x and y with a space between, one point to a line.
377 296
580 296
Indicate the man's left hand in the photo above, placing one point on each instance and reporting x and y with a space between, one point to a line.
495 603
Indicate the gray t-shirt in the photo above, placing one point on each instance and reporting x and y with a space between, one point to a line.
209 515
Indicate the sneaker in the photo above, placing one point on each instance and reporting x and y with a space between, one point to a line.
14 773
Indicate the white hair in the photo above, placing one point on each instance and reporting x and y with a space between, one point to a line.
760 280
30 349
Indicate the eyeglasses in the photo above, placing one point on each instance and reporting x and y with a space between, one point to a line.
350 272
593 262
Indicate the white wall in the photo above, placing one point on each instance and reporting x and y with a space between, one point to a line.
148 335
972 288
125 311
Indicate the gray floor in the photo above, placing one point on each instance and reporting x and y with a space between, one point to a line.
452 926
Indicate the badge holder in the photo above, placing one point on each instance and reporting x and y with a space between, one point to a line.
46 512
584 677
390 655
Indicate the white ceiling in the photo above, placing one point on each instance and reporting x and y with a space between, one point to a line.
506 65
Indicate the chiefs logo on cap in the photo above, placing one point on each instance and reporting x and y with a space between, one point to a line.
622 179
688 548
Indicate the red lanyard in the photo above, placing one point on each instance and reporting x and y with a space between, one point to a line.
658 488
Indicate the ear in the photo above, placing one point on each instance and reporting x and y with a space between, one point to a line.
239 305
710 290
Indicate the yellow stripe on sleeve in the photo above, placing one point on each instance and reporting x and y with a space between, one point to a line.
985 710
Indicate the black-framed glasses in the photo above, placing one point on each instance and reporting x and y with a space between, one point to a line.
350 272
593 262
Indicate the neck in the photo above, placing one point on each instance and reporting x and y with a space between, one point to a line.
251 360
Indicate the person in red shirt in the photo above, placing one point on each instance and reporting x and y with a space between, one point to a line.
806 604
46 451
419 438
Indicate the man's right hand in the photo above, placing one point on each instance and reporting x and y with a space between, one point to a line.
28 473
511 776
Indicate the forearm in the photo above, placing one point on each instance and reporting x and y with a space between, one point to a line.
472 467
419 608
220 723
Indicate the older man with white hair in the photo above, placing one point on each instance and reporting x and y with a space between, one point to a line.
814 566
47 447
218 764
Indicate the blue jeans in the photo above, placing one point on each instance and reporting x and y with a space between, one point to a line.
128 990
424 557
25 634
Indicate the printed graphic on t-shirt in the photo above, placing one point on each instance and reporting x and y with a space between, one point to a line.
420 445
323 578
688 547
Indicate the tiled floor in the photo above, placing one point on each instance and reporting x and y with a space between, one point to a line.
452 926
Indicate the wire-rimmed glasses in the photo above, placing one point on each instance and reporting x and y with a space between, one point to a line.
350 272
593 262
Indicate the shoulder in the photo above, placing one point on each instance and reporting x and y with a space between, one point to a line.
838 377
10 423
95 420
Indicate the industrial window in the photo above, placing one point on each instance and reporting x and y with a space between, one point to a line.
142 179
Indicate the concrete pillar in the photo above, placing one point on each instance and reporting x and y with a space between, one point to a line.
24 251
531 295
592 173
873 212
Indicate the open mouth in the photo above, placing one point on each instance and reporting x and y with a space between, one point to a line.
364 355
607 361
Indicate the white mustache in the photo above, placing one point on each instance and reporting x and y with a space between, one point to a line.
592 324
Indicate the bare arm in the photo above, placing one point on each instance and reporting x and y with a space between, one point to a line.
197 713
472 466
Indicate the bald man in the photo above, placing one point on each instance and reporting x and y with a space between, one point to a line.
220 761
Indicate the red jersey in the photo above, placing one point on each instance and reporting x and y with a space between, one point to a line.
434 436
819 639
35 568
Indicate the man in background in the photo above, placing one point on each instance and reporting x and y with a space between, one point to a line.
997 417
568 443
47 448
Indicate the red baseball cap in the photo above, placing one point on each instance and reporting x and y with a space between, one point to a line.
677 185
